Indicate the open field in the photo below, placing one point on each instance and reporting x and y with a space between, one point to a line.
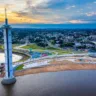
1 47
41 49
33 46
20 67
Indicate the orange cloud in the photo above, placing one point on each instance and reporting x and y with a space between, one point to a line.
16 18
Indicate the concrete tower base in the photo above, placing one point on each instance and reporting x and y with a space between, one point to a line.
8 81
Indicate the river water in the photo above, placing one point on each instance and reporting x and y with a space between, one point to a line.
67 83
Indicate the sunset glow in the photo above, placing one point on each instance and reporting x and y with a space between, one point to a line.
49 11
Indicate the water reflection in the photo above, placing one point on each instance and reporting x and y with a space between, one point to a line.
68 83
8 90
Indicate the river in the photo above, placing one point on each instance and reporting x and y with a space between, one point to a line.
66 83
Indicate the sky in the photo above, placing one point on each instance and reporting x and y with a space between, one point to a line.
49 11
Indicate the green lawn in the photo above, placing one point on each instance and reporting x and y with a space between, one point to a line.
1 47
19 67
60 51
14 45
79 52
33 46
64 52
40 49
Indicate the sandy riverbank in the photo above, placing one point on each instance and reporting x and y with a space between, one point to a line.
15 57
57 66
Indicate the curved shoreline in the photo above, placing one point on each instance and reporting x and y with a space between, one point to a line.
24 56
56 68
15 57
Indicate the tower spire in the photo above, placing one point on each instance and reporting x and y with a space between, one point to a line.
5 13
6 19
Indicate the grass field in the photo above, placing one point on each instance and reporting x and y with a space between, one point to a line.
40 49
33 46
60 51
13 45
19 67
1 47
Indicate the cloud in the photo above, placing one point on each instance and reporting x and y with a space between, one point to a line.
35 7
77 21
91 14
69 7
50 11
37 3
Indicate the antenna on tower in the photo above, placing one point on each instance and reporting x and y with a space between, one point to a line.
5 13
6 20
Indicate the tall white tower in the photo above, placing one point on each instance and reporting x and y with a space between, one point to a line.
9 74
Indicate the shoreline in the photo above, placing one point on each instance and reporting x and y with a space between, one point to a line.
15 57
56 68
